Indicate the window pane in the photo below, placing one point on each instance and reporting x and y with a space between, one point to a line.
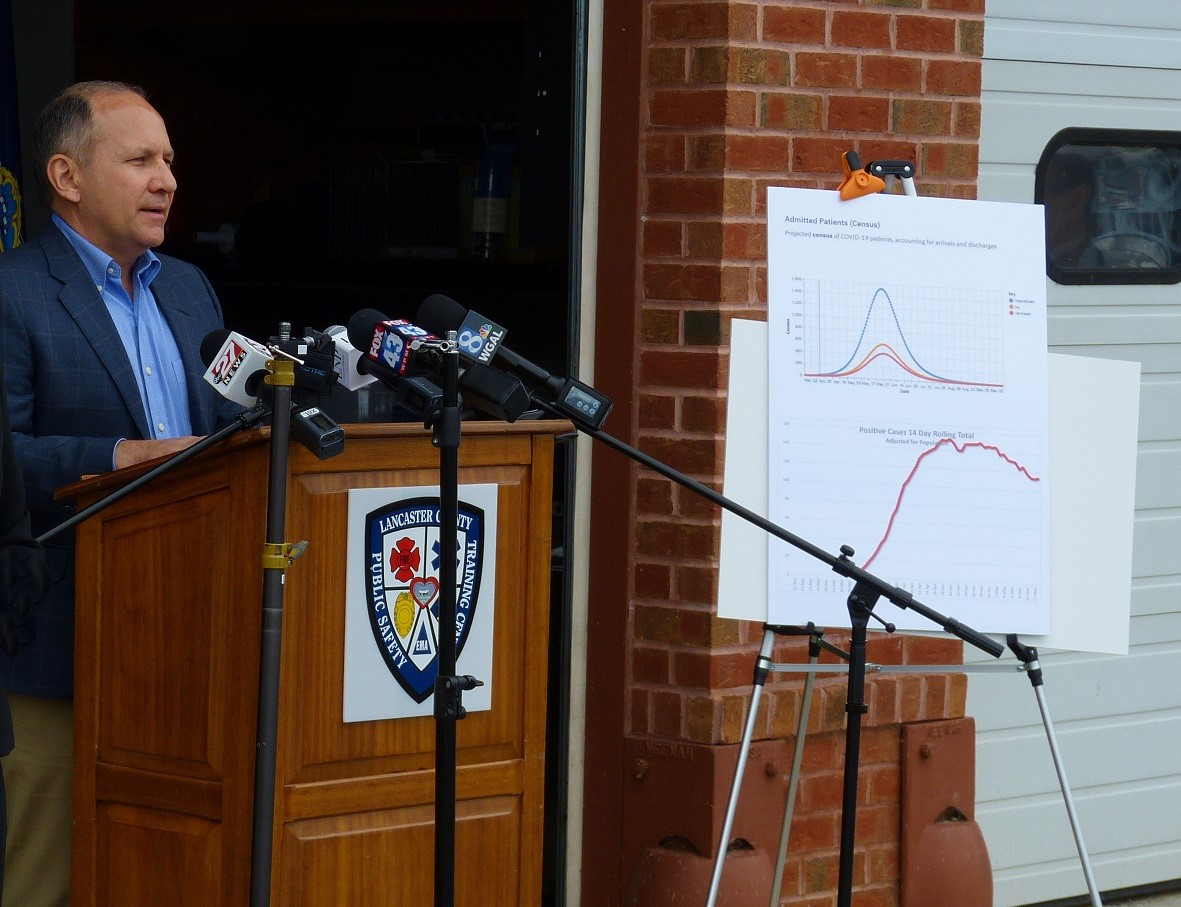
1112 211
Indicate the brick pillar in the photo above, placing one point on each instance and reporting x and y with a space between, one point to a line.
735 97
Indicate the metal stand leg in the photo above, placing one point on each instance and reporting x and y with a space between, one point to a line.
861 602
764 666
762 669
797 760
1028 657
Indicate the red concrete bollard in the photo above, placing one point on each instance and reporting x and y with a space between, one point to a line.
673 874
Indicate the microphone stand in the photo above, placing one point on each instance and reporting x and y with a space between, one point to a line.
867 590
276 558
448 696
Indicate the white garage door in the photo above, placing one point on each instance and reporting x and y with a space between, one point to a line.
1049 65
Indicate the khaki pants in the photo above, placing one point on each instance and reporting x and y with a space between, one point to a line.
38 777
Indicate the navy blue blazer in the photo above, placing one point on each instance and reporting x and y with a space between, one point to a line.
71 396
14 530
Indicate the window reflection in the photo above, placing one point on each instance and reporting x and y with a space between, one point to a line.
1070 186
1135 206
1111 209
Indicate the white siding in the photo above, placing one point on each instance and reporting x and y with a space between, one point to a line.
1049 65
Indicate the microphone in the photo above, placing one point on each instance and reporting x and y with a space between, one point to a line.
482 340
493 392
236 365
313 358
365 335
392 349
347 360
389 343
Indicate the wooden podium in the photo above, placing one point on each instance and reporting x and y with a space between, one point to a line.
169 606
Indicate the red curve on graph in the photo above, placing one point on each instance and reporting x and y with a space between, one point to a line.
959 448
884 349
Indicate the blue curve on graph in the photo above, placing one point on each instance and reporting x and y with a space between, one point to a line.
901 334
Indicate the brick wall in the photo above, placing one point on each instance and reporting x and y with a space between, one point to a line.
739 96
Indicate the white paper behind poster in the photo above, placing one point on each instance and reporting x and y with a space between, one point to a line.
742 568
389 602
1094 405
1094 423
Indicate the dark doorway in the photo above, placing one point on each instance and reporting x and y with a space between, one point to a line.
329 160
341 145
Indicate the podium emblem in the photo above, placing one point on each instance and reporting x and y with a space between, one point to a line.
402 586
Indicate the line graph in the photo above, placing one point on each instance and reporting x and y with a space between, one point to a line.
956 516
958 448
916 334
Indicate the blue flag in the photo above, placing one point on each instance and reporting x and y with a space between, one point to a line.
10 143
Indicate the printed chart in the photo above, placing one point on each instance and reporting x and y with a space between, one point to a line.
952 337
908 406
938 513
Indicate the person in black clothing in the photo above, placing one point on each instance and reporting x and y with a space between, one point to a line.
23 581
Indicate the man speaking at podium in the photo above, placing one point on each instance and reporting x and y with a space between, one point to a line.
101 352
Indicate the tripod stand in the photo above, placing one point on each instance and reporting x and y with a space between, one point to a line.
745 346
764 666
860 604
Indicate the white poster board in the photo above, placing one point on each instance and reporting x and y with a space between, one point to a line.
908 412
392 595
1094 405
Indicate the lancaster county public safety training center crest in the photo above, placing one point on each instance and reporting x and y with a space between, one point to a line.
402 586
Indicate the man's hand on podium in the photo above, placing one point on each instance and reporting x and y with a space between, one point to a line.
129 453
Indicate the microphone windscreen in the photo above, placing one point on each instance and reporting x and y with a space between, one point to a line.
212 345
493 392
236 367
361 327
440 314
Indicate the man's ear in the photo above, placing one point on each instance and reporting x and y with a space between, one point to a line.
63 177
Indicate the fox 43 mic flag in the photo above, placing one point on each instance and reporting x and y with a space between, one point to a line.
10 145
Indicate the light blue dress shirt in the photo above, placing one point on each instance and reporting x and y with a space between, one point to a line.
146 336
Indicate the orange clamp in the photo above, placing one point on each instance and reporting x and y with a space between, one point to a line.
857 182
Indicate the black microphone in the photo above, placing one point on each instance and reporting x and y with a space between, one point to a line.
211 344
390 351
391 344
314 358
482 340
362 327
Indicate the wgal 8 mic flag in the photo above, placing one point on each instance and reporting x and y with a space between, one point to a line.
10 145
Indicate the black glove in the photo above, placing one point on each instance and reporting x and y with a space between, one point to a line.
24 580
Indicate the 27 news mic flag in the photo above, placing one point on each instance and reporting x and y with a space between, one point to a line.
10 145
